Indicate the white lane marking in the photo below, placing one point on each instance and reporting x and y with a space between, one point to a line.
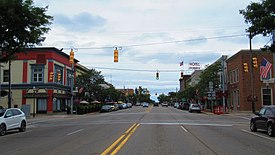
252 133
244 117
195 124
74 132
183 128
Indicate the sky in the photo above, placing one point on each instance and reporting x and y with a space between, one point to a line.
151 36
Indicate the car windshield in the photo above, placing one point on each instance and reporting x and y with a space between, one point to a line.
2 111
273 110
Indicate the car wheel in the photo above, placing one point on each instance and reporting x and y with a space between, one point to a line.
2 129
253 126
270 129
23 126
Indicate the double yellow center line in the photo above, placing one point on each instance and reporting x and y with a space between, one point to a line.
120 142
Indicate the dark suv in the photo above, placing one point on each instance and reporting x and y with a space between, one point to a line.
264 119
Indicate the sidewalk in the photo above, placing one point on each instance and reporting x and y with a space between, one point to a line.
232 113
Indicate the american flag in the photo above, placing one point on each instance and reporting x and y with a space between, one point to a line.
265 68
181 63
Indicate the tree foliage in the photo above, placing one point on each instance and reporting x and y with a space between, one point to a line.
22 25
261 17
209 74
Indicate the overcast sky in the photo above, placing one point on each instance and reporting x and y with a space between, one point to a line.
151 35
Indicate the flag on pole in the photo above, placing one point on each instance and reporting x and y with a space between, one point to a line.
265 68
181 63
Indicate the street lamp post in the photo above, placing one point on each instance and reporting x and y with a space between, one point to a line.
34 92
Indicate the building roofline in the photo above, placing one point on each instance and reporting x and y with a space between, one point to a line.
43 49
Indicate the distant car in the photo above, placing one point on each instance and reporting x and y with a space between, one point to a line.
194 107
145 104
156 104
264 120
138 104
122 106
164 104
106 108
129 105
185 106
12 118
176 105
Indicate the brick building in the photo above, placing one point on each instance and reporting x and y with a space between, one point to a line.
242 84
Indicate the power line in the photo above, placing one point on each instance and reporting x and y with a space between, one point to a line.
138 70
161 43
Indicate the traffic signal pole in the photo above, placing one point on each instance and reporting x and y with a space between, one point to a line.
72 78
251 74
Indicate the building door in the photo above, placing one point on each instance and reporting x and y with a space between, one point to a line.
41 105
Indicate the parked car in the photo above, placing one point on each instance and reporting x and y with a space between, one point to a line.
164 104
122 106
145 104
185 106
156 104
194 107
138 104
12 118
106 108
264 120
176 105
129 105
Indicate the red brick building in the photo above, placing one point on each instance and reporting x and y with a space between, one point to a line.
242 84
40 78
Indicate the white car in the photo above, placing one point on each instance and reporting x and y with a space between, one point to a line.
195 107
12 118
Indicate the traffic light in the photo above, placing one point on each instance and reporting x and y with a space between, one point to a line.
181 74
51 76
59 76
115 55
254 62
245 67
157 75
71 56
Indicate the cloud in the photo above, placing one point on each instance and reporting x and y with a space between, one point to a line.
82 22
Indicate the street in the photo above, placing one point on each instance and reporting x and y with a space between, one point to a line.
138 130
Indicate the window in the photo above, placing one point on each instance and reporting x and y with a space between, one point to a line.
37 73
5 75
268 111
262 111
234 76
266 95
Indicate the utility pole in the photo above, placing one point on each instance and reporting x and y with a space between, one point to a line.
9 95
223 85
251 74
72 78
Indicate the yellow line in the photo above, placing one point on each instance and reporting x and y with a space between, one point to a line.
124 141
117 141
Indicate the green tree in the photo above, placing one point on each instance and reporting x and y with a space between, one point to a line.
260 16
22 25
211 73
91 83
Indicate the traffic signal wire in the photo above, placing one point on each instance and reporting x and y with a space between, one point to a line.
161 43
137 70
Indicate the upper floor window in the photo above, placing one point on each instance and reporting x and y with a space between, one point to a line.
37 73
234 76
5 75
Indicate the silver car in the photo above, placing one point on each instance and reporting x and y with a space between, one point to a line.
12 118
194 107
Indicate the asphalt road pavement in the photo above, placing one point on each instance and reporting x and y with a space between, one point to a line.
138 130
